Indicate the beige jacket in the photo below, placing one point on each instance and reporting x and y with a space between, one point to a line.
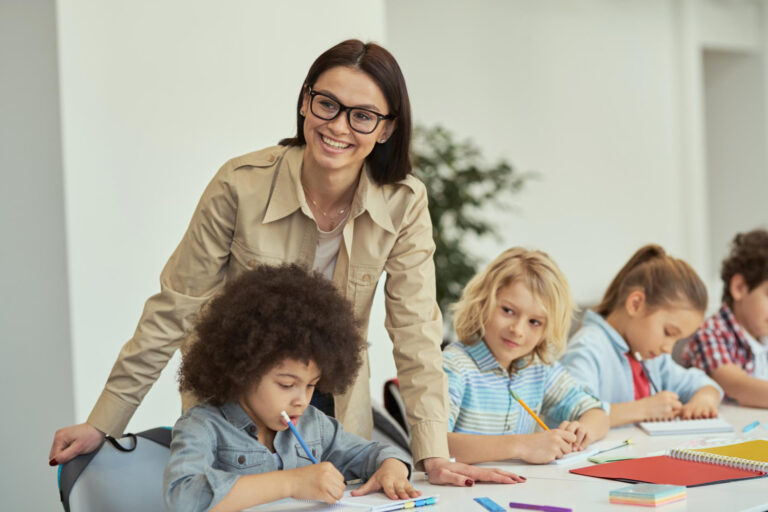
254 211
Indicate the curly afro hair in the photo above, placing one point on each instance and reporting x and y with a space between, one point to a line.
748 257
263 317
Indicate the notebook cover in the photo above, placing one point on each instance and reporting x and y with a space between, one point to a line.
756 450
666 470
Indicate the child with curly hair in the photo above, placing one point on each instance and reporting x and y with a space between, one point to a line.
512 320
274 336
621 353
732 345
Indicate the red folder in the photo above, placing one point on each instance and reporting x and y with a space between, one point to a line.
667 470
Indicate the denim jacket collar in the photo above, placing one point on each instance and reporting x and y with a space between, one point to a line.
617 341
236 415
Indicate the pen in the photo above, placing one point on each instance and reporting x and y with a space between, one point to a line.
525 406
751 426
645 369
627 442
545 508
288 422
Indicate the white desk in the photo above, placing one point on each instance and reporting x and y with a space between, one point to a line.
554 485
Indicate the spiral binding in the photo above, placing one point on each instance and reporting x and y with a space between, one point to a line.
719 460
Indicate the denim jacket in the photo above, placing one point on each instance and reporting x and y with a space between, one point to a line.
213 445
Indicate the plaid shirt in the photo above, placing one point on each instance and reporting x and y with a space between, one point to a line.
720 341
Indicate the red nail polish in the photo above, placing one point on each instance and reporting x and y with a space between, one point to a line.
53 462
469 483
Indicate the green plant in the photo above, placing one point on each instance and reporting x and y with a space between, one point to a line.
459 185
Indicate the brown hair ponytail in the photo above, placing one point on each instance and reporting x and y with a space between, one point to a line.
664 280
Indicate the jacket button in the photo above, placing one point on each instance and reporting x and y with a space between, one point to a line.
251 263
271 158
366 278
252 429
241 460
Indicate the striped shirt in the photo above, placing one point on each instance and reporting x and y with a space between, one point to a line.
480 402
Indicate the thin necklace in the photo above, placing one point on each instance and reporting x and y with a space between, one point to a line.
323 212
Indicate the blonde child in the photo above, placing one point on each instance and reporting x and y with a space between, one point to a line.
511 321
275 335
622 351
732 345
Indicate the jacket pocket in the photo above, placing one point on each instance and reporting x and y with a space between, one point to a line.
301 456
363 280
245 258
240 459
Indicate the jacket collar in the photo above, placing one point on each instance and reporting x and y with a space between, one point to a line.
288 194
619 344
235 414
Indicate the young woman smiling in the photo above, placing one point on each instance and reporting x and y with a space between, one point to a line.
338 198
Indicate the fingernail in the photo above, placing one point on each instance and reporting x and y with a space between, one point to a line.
521 476
469 483
53 462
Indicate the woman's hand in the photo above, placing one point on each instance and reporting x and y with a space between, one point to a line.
320 481
544 447
441 471
69 442
664 405
392 478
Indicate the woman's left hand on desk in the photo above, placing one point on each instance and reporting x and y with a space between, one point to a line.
441 471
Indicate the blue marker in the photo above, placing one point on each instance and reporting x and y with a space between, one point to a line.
288 421
489 504
751 426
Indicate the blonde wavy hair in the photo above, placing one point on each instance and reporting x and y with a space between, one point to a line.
545 281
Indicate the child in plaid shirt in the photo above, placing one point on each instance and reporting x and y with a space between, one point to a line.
732 345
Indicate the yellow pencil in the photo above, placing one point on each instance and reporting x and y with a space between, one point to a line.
525 406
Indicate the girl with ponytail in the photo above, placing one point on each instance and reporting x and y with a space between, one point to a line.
622 351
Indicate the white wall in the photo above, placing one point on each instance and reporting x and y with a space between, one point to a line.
155 97
35 353
585 93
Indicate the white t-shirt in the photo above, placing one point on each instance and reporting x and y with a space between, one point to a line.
328 243
760 351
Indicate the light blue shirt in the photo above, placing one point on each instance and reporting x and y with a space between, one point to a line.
480 402
596 357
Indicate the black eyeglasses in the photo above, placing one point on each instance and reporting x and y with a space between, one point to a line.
360 119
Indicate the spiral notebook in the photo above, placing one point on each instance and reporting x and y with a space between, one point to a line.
751 455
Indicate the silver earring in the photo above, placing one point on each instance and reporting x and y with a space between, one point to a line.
301 112
382 140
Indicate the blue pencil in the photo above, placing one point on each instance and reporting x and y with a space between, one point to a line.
288 421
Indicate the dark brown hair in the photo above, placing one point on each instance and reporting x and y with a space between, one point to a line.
389 162
663 279
748 257
263 317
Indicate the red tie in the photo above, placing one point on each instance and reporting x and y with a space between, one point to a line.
639 378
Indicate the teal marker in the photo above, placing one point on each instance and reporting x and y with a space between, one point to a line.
751 426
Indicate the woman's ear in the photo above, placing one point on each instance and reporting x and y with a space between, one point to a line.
738 287
386 133
304 103
635 303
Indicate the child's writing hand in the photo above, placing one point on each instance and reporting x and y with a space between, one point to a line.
544 447
582 436
664 405
392 478
317 482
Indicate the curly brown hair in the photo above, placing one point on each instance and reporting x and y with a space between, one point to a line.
263 317
748 257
